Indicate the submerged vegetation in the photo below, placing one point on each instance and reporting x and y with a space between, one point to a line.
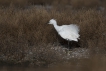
26 38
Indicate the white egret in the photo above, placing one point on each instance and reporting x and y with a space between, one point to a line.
67 32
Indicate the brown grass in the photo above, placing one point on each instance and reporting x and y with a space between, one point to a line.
25 32
85 3
74 3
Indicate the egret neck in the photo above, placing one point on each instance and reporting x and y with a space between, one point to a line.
56 26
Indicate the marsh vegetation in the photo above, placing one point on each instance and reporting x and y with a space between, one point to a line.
27 40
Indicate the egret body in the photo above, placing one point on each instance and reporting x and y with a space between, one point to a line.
67 32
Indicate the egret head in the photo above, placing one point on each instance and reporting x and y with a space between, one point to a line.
52 21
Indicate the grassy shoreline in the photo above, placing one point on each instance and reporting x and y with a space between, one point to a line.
25 35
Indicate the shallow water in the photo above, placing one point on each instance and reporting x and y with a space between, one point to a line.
61 67
96 63
78 60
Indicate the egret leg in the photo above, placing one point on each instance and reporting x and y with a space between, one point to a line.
68 52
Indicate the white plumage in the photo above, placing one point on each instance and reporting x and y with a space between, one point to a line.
68 32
